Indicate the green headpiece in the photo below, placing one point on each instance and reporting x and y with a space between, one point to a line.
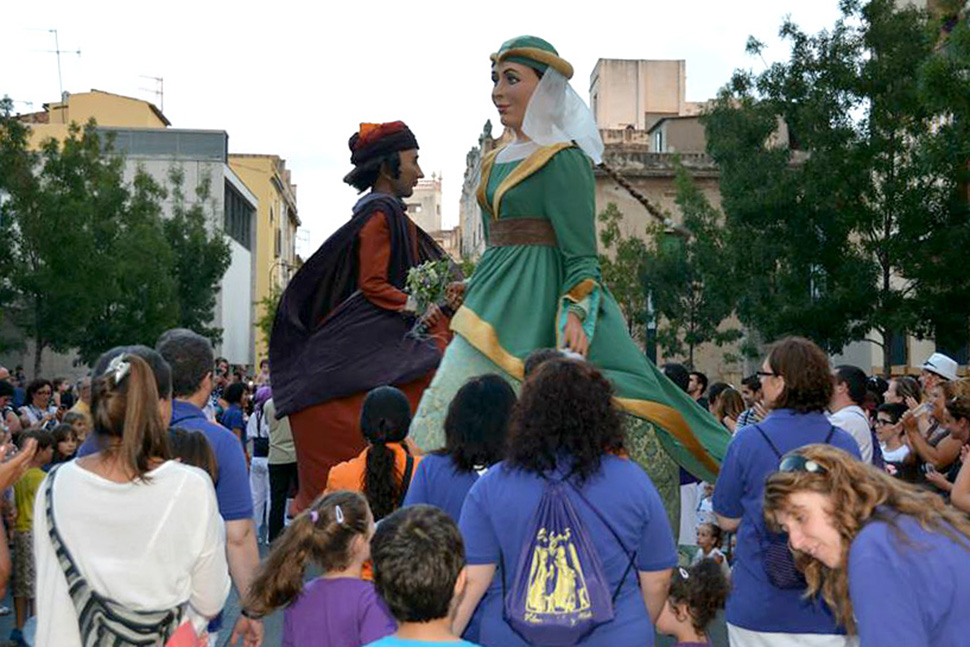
534 52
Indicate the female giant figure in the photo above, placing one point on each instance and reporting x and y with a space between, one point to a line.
538 284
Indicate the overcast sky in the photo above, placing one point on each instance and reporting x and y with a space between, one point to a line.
295 78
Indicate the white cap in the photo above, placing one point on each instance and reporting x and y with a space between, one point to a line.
941 365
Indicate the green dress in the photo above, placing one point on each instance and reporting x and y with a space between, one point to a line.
517 300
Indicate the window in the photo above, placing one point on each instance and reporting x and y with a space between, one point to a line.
279 243
897 349
238 216
960 354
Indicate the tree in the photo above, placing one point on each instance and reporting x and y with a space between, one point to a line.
63 222
87 260
831 231
136 296
687 277
621 272
17 185
268 305
201 255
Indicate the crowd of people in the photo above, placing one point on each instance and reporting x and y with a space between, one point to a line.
157 510
491 488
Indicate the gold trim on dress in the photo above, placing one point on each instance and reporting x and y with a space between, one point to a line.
482 336
671 421
486 171
529 165
581 290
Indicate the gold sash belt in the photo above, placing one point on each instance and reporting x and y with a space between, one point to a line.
521 231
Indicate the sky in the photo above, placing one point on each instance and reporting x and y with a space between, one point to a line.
295 79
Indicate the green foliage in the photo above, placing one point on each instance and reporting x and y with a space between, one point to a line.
201 255
467 266
268 306
87 260
621 272
688 277
17 184
854 225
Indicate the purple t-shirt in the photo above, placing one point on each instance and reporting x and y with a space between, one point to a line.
341 612
438 482
500 510
755 604
910 591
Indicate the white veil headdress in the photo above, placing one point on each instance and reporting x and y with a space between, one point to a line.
557 114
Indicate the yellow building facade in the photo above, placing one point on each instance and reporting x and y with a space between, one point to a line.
105 108
276 226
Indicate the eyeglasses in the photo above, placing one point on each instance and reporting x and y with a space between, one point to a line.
880 421
766 374
798 463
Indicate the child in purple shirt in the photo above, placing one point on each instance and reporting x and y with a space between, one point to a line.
696 594
338 609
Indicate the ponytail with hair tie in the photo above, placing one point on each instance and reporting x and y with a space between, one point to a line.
323 534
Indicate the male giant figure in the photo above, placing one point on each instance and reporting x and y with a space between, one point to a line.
343 322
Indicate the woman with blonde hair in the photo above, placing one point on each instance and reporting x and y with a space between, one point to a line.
890 559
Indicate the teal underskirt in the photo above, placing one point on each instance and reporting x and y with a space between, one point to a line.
462 361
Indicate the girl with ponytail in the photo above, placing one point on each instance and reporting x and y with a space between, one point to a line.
338 609
383 471
145 542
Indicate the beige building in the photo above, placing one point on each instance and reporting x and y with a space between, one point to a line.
276 226
424 205
637 94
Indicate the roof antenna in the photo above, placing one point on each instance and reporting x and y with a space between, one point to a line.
159 90
57 50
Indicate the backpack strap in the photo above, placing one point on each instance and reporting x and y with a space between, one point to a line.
406 481
768 440
631 555
828 439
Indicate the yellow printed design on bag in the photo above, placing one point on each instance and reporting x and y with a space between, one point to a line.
557 585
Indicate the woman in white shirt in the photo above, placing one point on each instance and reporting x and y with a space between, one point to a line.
142 530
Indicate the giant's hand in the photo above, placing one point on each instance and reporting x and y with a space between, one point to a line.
455 294
574 337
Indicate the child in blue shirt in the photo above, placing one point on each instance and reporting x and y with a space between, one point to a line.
419 572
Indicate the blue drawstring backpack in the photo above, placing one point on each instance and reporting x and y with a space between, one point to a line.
559 592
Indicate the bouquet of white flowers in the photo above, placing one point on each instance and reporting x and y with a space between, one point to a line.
427 284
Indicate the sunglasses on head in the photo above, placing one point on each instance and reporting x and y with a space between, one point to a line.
798 463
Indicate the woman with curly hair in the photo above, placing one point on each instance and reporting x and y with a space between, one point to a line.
890 559
566 427
767 605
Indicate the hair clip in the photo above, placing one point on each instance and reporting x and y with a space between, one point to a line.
118 368
683 573
314 516
338 513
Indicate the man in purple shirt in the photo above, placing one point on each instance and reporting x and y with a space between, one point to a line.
191 359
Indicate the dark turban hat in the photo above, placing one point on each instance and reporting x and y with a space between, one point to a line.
374 141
